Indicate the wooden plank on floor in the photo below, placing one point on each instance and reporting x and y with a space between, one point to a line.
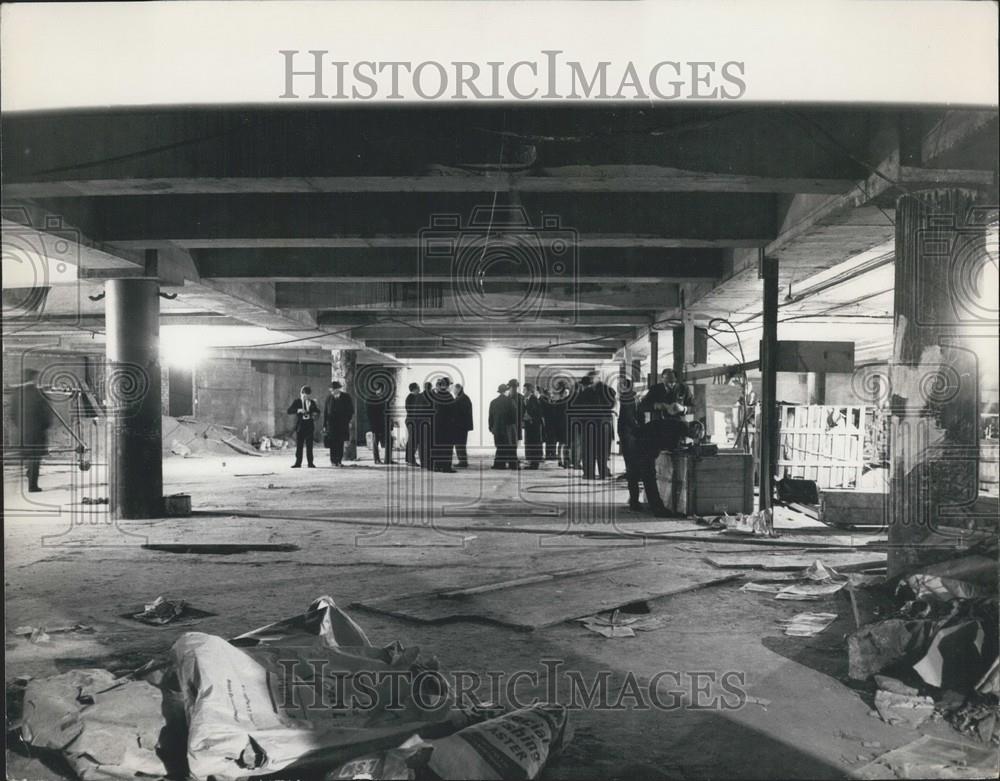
534 604
846 562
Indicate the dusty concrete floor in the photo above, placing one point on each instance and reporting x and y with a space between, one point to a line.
64 569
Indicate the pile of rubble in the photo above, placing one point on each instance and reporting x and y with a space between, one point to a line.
931 650
189 437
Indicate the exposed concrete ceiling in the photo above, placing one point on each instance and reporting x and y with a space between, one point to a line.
431 232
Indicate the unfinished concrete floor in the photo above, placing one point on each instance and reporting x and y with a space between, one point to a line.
812 724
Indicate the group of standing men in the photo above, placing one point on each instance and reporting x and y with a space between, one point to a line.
438 422
572 424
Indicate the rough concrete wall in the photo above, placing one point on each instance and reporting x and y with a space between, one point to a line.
253 395
286 381
867 385
228 392
792 388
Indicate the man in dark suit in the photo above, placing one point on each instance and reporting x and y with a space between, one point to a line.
444 426
503 427
413 406
518 401
629 422
532 427
463 419
605 416
425 426
306 412
550 426
668 398
337 414
591 412
378 421
32 415
560 402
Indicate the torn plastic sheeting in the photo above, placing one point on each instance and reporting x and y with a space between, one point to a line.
954 657
968 577
934 587
875 647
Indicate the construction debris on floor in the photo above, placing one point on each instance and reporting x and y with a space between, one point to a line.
190 438
547 599
807 624
930 757
309 694
935 654
161 611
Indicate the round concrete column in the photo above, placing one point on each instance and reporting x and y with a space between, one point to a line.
132 395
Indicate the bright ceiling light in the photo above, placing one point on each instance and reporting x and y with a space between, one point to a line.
182 346
494 353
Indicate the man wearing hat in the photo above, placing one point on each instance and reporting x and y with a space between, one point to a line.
464 423
337 414
414 405
518 401
503 427
306 412
532 426
444 426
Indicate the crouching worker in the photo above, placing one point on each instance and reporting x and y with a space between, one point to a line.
650 439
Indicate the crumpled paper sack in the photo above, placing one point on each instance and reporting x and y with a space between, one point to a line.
105 728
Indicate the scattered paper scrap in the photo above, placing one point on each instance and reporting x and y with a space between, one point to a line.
809 591
807 624
819 571
161 611
763 588
618 624
929 757
38 634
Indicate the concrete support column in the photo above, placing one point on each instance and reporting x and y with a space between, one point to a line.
768 434
344 364
132 393
941 331
690 346
816 387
